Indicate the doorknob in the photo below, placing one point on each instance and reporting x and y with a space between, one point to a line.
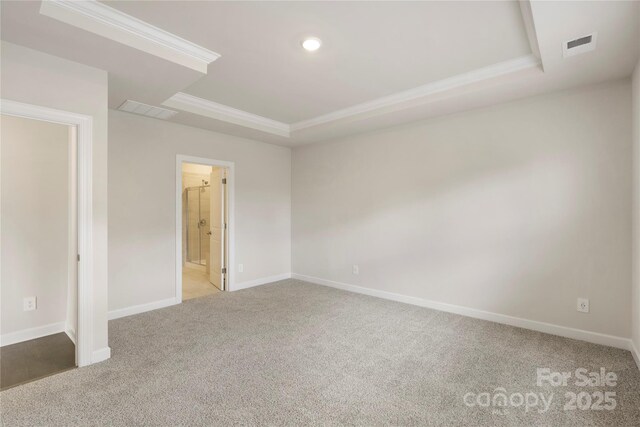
209 233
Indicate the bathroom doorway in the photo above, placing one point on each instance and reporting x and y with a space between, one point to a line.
204 230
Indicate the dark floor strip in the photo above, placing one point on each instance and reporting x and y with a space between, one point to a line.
35 359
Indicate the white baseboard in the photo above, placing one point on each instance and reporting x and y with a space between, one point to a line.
137 309
101 355
141 308
635 351
261 281
549 328
31 333
71 334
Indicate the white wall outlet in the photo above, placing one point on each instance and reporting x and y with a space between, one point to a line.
29 304
240 268
583 305
356 269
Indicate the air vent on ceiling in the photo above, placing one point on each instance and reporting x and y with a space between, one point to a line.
146 110
580 45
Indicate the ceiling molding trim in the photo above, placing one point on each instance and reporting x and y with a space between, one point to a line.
98 18
411 95
530 28
203 107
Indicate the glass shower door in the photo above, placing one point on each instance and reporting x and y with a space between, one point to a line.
197 211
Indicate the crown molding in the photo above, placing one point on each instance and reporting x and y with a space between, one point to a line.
401 100
422 92
530 28
204 107
98 18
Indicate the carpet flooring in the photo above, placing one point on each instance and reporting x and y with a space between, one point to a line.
292 353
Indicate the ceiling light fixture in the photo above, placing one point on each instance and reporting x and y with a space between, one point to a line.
311 44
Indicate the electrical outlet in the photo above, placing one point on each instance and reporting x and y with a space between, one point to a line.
29 304
240 268
583 305
356 269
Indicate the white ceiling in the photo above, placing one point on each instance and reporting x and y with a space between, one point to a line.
133 74
381 63
369 49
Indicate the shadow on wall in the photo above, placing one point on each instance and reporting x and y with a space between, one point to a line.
520 217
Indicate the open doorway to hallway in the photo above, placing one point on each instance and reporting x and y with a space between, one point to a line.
204 230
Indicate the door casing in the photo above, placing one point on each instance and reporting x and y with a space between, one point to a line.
217 228
84 198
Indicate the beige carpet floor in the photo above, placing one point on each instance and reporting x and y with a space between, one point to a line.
292 353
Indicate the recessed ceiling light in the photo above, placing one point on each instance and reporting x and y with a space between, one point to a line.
311 44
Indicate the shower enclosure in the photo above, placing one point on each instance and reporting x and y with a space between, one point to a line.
196 202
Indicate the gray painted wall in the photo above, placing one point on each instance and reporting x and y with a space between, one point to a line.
142 170
35 232
516 209
37 78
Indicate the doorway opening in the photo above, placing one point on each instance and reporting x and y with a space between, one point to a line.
205 226
39 256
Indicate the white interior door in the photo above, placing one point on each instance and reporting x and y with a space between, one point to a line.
217 230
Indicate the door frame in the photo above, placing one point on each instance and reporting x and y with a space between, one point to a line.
231 235
84 198
222 189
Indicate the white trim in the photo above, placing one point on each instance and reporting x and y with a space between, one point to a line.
31 333
530 28
231 233
548 328
72 239
85 213
98 18
101 355
424 91
206 108
261 281
141 308
635 352
70 333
